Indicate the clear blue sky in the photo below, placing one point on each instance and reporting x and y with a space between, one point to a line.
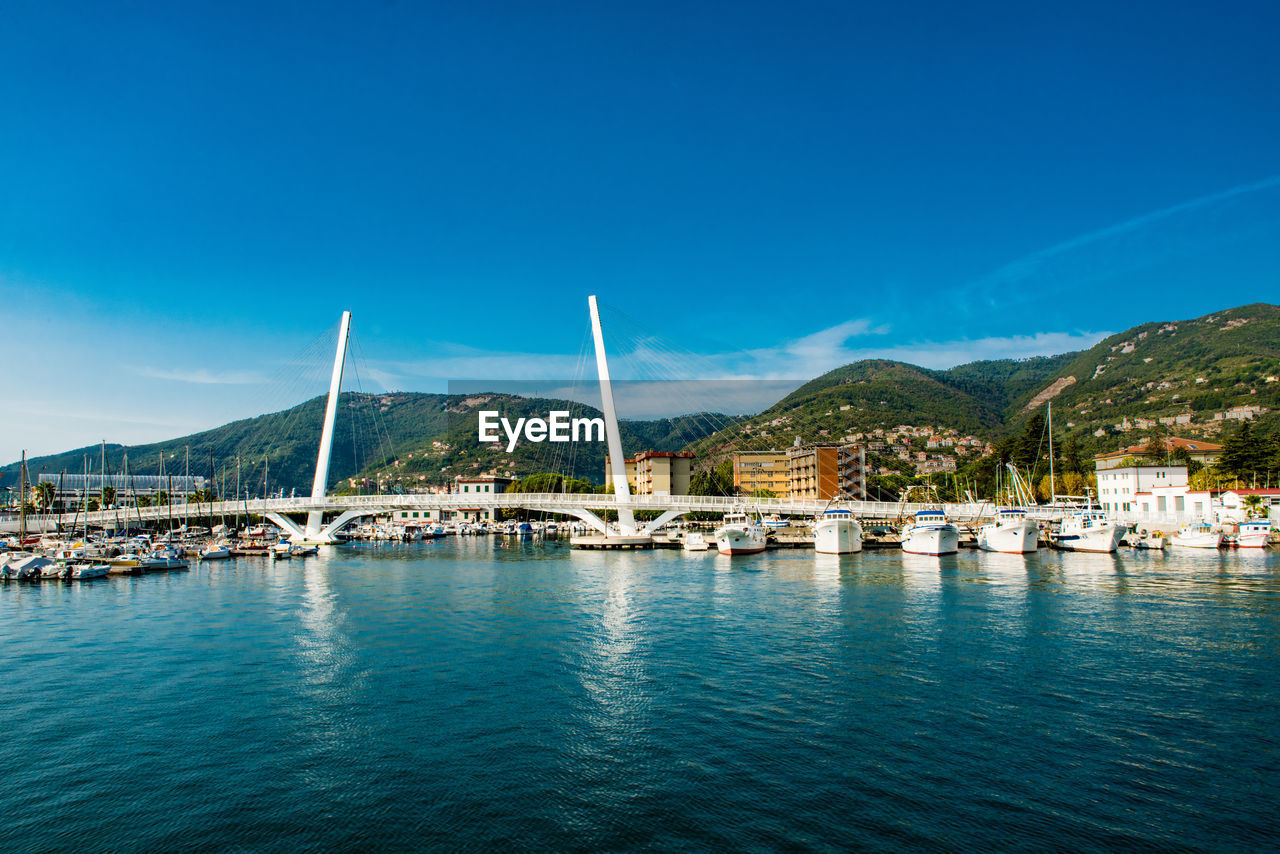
190 193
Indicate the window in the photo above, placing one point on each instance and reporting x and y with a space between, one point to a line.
415 514
1179 503
1160 504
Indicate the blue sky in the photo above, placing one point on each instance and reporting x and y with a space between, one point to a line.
191 193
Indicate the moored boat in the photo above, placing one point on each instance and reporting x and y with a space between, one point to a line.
1149 540
738 535
695 541
931 534
1197 535
85 571
1010 532
1254 534
837 532
1087 530
219 551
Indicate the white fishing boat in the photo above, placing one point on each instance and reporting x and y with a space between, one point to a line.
931 534
695 541
1011 532
739 535
282 549
1254 534
836 532
1197 535
1087 529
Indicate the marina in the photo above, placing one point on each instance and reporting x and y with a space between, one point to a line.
761 699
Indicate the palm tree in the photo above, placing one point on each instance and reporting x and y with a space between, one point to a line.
108 496
43 493
1252 505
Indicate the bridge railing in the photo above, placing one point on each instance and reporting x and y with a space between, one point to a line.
546 501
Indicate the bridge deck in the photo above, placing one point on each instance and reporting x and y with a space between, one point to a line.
886 511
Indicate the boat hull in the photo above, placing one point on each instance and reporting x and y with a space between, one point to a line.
1018 537
695 542
933 540
1196 541
736 541
1103 539
837 537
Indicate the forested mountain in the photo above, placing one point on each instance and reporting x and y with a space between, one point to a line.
1186 372
403 439
1190 373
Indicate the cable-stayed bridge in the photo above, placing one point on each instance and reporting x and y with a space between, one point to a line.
325 515
589 507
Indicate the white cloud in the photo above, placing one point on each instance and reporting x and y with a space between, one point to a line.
654 381
201 376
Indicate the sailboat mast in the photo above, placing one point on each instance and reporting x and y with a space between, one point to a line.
1053 491
22 499
84 499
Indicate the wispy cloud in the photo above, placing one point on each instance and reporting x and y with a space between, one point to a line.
201 376
650 371
1029 265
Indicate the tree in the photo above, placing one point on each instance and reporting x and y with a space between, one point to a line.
1245 454
144 501
108 495
93 505
42 494
1253 506
716 481
1157 446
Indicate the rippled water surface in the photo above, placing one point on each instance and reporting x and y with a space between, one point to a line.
467 695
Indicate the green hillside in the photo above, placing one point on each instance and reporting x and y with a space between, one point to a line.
1190 370
975 398
403 439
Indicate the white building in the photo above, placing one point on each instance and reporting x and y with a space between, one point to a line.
1158 495
1232 508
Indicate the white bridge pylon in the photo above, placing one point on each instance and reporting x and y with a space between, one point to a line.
316 531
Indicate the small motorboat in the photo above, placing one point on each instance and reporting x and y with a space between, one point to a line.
84 571
220 551
695 541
